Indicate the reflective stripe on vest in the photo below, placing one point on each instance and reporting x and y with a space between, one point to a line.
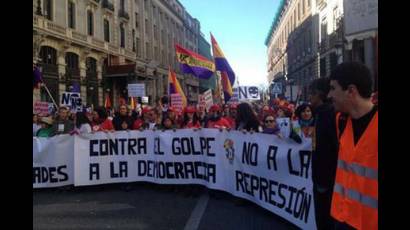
358 169
355 195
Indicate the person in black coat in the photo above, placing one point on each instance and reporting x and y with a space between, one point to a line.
123 121
246 118
324 155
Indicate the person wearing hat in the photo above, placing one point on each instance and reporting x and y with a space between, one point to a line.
172 113
46 127
191 119
215 120
231 116
139 122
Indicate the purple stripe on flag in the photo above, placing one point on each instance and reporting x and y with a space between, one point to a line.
172 88
227 96
199 72
37 77
222 64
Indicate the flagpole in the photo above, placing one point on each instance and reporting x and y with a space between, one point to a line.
49 94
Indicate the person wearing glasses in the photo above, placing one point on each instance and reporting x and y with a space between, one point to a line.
271 126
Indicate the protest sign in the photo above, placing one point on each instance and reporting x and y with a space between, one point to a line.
136 90
273 173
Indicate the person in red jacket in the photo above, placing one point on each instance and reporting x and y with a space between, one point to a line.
191 120
139 122
215 120
100 120
231 117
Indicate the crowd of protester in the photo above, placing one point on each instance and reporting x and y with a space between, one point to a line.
341 111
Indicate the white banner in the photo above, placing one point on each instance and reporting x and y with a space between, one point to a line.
208 99
43 108
264 169
176 102
271 172
53 161
284 125
248 93
72 101
136 90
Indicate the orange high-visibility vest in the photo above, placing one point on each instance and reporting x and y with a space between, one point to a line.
355 194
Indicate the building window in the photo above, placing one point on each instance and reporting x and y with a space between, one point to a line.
146 5
91 66
303 7
122 5
155 32
323 31
156 53
299 9
122 35
308 3
323 67
146 27
48 9
133 40
136 20
48 55
138 49
90 23
147 51
106 30
71 60
162 57
71 15
333 61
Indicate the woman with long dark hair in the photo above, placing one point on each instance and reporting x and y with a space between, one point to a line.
83 124
191 120
246 118
100 120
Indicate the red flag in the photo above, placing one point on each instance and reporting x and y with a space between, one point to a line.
107 103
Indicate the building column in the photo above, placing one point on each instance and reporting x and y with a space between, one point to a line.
369 54
99 88
61 74
83 86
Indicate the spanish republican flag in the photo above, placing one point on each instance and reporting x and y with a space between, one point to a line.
193 63
175 87
222 65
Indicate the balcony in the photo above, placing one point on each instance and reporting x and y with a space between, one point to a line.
124 69
123 14
108 5
49 68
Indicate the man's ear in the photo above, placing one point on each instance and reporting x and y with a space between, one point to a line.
352 89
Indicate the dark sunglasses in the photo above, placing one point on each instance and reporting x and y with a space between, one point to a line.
269 121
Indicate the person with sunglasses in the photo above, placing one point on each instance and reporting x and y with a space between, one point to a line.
270 126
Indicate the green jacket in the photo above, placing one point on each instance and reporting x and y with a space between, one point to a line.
44 132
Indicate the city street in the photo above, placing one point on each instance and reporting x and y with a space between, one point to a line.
146 207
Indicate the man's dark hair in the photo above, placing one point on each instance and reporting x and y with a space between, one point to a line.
320 86
81 118
102 112
245 114
354 73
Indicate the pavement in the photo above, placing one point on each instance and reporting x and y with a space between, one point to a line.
148 206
